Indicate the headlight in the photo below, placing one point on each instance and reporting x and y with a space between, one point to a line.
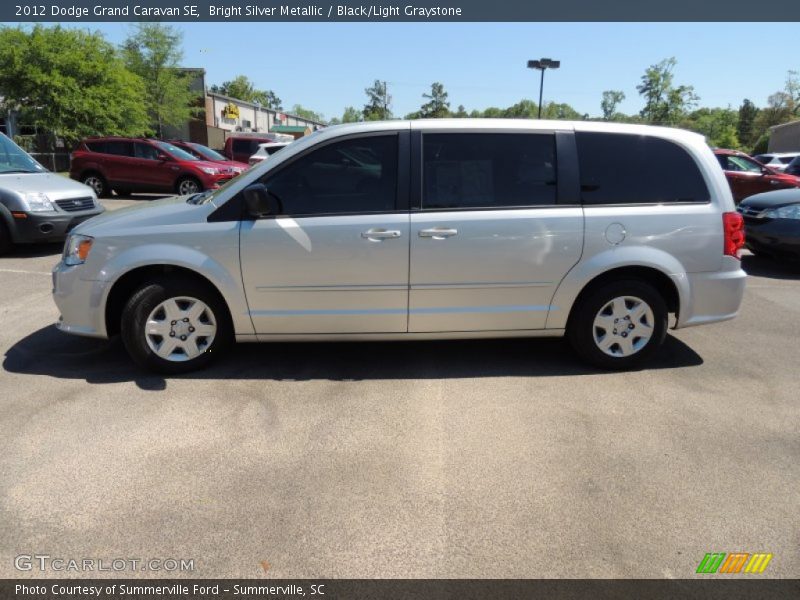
209 170
784 212
76 249
37 202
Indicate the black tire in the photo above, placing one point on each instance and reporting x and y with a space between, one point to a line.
582 330
188 185
97 182
147 298
6 243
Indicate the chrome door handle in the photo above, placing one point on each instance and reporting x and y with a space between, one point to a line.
380 234
438 233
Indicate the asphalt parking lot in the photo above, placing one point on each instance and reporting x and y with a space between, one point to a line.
491 459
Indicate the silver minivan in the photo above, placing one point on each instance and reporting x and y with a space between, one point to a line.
35 204
440 229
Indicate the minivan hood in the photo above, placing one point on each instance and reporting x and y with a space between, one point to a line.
57 187
167 211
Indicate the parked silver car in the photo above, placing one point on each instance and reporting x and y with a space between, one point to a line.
35 204
420 230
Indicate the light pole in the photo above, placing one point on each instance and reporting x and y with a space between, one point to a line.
542 65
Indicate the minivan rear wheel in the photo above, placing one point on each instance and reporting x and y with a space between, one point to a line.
620 325
175 326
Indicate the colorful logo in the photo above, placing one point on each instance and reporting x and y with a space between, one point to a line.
714 562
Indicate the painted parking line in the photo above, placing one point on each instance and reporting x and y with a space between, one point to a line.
22 272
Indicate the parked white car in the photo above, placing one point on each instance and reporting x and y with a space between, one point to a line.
266 150
777 160
439 229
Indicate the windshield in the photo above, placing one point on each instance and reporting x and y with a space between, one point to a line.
14 159
175 151
207 152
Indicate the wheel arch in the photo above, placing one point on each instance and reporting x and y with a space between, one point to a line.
661 270
124 287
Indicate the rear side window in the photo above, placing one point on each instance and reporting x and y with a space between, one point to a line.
118 148
636 169
488 170
96 146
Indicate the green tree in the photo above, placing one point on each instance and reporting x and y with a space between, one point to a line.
524 109
242 88
609 103
351 115
665 103
70 83
718 125
461 112
562 110
437 106
153 52
745 124
307 113
378 103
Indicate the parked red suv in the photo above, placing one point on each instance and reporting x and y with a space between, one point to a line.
129 165
747 176
206 153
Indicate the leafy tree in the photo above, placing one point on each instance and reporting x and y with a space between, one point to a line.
555 110
745 123
153 52
611 99
437 106
718 125
242 88
792 88
307 113
524 109
378 103
351 115
69 82
461 112
665 103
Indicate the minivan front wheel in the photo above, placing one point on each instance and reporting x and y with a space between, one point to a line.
619 325
175 326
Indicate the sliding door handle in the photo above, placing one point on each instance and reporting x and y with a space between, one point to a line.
380 234
438 233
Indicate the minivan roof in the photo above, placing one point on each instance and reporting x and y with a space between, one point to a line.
517 124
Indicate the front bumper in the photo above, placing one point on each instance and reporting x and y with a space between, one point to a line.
48 227
79 302
776 237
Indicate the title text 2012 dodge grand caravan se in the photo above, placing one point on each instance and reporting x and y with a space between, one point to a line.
421 230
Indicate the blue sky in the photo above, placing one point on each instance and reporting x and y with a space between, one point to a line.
326 66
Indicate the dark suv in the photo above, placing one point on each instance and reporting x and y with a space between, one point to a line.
129 165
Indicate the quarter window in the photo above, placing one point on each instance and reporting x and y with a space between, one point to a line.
636 169
351 176
488 170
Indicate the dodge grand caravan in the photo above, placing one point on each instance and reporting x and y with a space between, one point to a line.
422 230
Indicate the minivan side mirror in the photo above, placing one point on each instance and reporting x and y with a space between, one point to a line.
260 202
163 157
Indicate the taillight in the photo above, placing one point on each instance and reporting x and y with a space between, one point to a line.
733 225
